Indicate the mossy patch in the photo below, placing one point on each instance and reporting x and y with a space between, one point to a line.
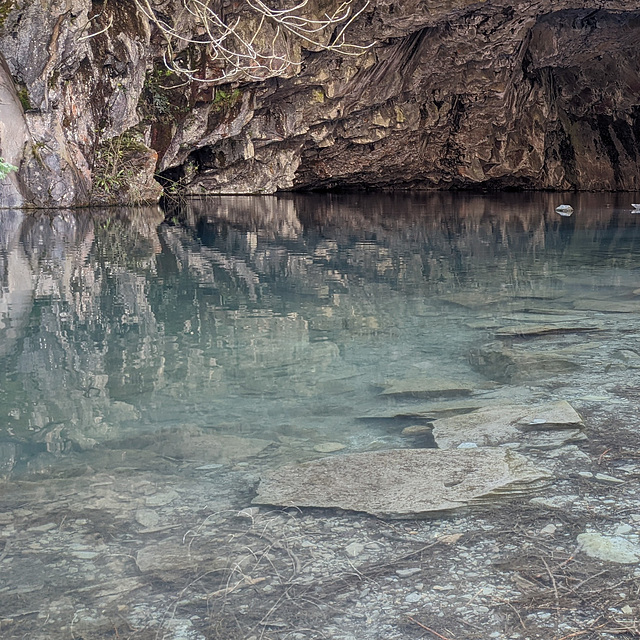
23 96
224 101
5 8
113 167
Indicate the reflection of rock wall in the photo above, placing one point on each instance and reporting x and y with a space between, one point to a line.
109 325
16 284
54 280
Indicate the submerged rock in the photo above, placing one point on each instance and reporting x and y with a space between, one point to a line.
169 559
506 364
402 482
607 306
609 548
547 426
191 443
427 387
528 330
328 447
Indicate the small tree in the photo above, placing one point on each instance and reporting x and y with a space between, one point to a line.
252 43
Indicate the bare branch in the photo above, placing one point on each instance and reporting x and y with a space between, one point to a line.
256 44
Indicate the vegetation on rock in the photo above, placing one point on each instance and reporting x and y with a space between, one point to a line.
6 168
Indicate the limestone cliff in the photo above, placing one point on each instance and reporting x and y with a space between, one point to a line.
542 94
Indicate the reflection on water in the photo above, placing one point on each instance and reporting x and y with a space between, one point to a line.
150 371
281 317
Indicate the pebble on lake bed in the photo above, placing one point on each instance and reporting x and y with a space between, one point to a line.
328 447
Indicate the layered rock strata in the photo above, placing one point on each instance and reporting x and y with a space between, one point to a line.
452 94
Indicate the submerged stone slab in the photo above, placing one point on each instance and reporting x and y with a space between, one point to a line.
202 445
546 426
607 306
532 330
402 482
504 364
432 409
427 387
474 299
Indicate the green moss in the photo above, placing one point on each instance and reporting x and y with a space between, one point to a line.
114 165
160 101
5 8
6 168
225 100
23 96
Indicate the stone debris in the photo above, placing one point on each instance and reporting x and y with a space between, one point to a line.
545 426
402 482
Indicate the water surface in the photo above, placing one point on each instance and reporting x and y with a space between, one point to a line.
243 333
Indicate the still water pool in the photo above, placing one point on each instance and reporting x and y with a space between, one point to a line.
150 369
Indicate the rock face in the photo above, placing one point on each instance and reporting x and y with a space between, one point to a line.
453 94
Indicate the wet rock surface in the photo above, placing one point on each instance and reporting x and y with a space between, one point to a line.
545 426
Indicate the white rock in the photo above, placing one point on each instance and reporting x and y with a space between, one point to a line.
609 548
564 210
328 447
147 518
603 477
354 549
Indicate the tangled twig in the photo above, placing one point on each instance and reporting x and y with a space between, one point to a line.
242 48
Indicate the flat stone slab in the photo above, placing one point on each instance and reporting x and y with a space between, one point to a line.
532 330
607 306
433 409
203 445
498 362
402 482
545 426
427 387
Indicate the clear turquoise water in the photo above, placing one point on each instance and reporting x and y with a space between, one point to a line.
283 318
